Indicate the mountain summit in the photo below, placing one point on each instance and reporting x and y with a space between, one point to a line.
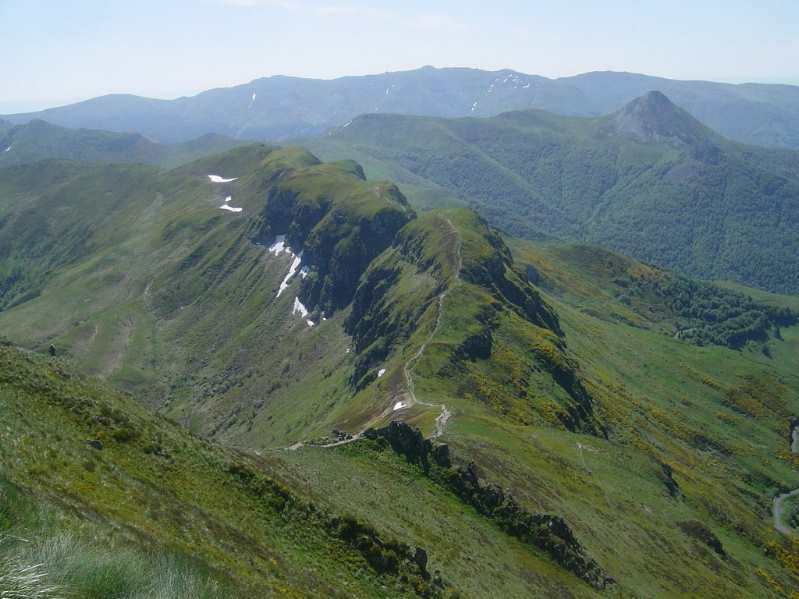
653 118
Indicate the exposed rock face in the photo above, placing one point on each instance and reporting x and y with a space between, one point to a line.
700 532
409 442
548 532
339 233
653 118
420 557
374 326
494 271
476 347
667 476
579 414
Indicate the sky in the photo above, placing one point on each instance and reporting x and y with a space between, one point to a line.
60 51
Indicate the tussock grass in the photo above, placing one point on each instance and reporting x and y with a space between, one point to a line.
63 565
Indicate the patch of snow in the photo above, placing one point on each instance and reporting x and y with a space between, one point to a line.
295 264
218 179
347 350
388 89
304 272
253 97
381 372
227 199
347 124
399 405
279 246
474 106
8 149
230 208
302 311
299 308
525 86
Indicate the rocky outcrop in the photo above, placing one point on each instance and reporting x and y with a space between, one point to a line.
494 270
409 443
700 532
666 475
340 223
547 532
373 323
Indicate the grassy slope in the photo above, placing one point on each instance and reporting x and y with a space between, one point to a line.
151 484
160 291
718 418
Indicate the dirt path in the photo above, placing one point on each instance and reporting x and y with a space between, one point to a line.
779 500
410 398
443 418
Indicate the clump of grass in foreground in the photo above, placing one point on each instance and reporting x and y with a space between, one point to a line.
41 557
63 565
19 580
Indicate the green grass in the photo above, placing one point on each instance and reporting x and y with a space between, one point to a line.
167 289
716 417
579 404
147 483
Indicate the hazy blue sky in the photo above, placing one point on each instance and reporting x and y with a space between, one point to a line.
54 51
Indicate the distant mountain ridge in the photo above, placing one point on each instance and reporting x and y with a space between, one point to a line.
40 140
648 180
278 108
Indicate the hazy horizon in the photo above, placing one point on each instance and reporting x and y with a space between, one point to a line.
169 49
22 107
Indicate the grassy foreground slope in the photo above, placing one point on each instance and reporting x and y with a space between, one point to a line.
139 481
649 181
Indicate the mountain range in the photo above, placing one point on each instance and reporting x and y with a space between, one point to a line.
648 180
279 108
364 399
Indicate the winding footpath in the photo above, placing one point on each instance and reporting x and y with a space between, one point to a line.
410 398
779 500
443 418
